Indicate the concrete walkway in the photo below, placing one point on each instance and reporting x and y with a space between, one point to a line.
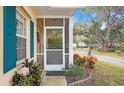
54 81
119 62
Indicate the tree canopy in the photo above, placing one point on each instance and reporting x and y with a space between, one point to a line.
105 26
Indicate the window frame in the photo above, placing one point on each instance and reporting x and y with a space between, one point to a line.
23 34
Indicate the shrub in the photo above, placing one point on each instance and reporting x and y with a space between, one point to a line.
20 80
25 81
36 72
33 78
27 63
74 70
91 62
111 49
99 49
77 59
122 50
76 56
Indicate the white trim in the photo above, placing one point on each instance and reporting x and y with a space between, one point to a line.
44 44
21 48
20 61
70 40
39 53
54 49
53 16
54 27
63 42
53 67
21 36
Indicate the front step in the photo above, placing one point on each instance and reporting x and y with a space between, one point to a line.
54 73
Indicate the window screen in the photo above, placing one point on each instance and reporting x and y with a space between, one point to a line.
67 35
20 36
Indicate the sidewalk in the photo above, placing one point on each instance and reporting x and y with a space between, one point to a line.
54 81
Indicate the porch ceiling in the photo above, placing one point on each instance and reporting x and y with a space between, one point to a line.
54 11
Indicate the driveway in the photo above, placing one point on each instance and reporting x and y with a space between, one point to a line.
115 61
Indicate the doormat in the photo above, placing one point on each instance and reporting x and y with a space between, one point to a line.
55 73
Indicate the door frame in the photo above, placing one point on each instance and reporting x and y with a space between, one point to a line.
54 67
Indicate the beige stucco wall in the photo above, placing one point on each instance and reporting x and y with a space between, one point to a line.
5 79
33 16
1 40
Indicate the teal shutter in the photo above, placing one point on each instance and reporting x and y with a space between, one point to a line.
31 39
9 37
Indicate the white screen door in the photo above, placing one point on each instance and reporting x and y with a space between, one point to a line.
54 49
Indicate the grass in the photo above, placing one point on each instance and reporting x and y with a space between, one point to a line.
109 54
108 74
81 49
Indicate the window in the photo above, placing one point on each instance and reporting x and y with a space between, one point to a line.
20 36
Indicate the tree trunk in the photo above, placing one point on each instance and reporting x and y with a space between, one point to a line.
90 50
107 39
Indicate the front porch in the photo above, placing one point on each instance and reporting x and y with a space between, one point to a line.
52 21
43 34
53 45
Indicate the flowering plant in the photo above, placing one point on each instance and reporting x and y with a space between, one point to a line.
77 59
86 62
91 62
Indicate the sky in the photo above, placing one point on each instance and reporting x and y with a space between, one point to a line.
80 16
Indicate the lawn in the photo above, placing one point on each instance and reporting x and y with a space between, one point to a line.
109 54
77 49
108 74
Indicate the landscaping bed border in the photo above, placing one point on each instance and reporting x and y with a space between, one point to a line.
81 81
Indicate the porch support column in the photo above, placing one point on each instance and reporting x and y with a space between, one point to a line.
44 43
70 40
63 42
